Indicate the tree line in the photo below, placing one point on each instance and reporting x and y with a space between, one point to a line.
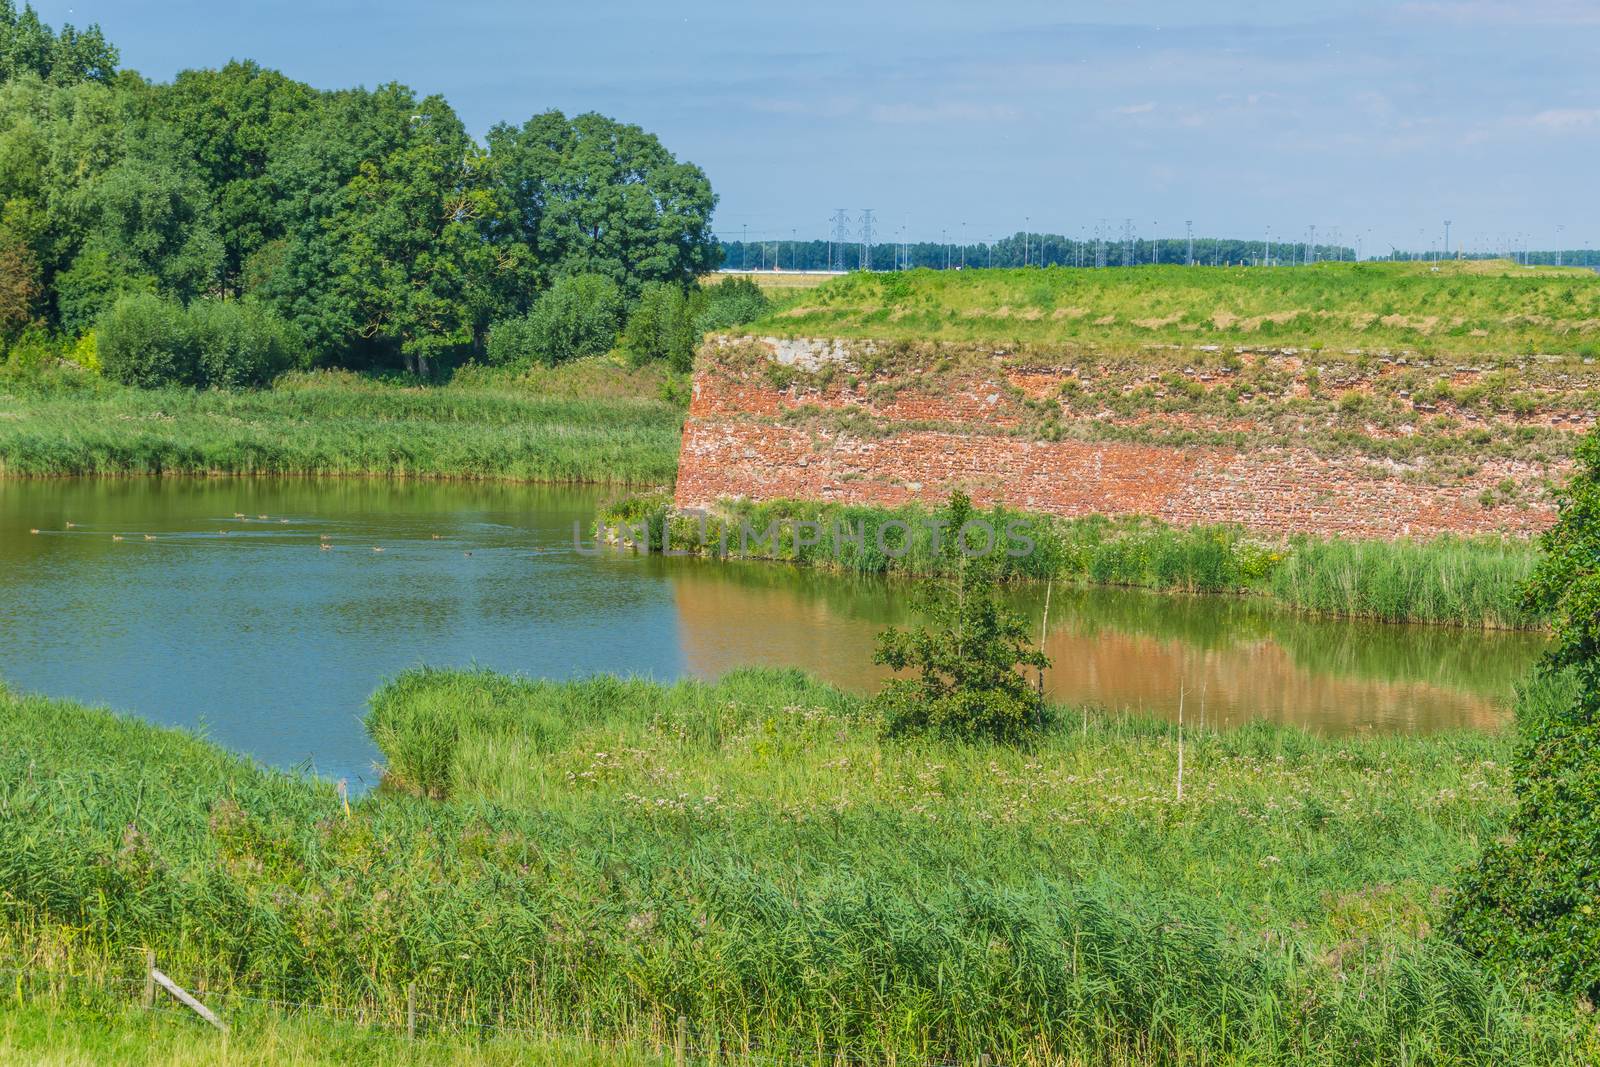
354 227
1021 249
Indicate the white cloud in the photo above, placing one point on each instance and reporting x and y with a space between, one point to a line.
1565 119
1135 109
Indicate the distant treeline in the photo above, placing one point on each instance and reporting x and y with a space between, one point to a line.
367 227
1052 250
1018 250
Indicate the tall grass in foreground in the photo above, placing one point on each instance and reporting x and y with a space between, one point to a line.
47 1026
1462 581
341 426
601 856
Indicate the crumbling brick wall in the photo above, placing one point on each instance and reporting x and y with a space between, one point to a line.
795 419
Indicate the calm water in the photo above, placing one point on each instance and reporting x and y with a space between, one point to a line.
271 644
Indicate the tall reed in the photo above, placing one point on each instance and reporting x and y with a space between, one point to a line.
604 855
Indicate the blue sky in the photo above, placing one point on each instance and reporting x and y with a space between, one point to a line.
1379 119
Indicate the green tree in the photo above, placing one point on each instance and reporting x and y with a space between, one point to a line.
28 46
56 144
230 121
970 654
1532 904
660 328
152 219
382 198
591 195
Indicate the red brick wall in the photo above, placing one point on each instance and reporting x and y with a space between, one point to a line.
734 445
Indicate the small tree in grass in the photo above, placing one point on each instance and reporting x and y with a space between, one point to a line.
1531 906
968 657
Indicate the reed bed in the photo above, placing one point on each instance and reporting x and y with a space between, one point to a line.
1460 581
341 425
599 857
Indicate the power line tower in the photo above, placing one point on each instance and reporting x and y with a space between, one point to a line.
841 237
1188 235
1311 247
866 238
1127 242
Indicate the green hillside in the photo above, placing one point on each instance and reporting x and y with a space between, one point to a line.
1459 307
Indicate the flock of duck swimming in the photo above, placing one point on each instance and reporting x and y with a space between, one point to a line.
324 541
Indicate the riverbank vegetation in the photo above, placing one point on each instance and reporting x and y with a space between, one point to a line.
1468 308
1463 581
589 421
757 855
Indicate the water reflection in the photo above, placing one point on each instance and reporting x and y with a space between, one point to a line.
1128 649
272 644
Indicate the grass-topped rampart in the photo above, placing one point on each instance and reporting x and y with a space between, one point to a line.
1458 308
601 856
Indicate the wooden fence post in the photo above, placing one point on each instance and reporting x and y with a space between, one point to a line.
411 1011
192 1004
680 1050
149 978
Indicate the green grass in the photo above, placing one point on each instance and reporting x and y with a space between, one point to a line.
601 856
1462 581
1461 309
59 1028
483 427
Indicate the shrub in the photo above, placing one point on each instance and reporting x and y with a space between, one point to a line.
733 303
660 329
968 657
1531 907
577 316
240 343
511 343
147 341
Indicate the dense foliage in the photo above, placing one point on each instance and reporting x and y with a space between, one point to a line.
368 221
577 316
1532 905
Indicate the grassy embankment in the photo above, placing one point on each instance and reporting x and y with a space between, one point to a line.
600 857
1452 580
1489 308
584 422
1384 363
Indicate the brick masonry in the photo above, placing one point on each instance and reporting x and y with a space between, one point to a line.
736 443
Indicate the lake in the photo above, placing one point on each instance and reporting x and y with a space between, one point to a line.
220 610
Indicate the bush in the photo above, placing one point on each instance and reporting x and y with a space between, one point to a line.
577 316
733 303
1531 907
511 343
147 341
969 685
660 329
240 343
